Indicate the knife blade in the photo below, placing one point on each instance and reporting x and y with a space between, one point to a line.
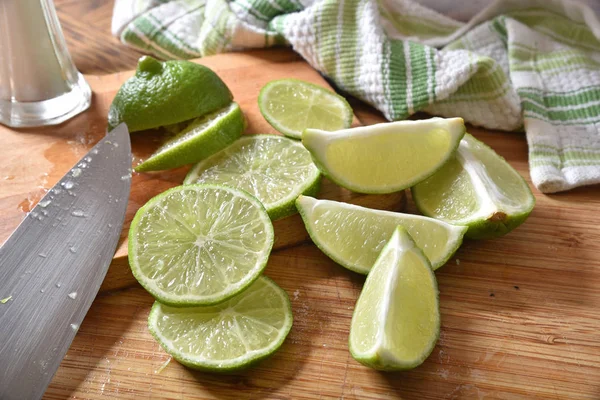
52 266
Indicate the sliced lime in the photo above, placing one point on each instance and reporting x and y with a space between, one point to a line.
477 188
291 105
164 93
227 336
384 158
396 321
353 236
200 139
199 244
275 169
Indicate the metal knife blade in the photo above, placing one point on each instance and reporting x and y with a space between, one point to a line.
52 266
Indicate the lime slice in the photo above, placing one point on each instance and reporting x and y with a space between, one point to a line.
396 321
273 168
384 158
164 93
353 236
199 244
227 336
477 188
291 105
200 139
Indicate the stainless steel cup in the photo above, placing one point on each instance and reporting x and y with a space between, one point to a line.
39 84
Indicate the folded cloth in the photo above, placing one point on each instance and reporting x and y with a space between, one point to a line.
532 64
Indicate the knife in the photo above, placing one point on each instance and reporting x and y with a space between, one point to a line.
52 266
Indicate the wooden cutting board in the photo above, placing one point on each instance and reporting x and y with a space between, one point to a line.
520 314
38 158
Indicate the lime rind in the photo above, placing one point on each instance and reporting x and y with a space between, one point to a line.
417 225
319 143
289 208
485 229
497 214
200 139
224 365
376 317
135 249
262 174
341 104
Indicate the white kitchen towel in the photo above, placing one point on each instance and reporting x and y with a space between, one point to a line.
517 64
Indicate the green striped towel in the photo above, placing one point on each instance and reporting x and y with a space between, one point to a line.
532 64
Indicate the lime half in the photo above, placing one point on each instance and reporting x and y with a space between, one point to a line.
396 321
228 336
164 93
203 137
384 158
353 236
477 188
199 244
275 169
291 105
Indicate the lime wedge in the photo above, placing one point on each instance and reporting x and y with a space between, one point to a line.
199 244
477 188
203 137
291 105
384 158
396 321
274 169
353 236
227 336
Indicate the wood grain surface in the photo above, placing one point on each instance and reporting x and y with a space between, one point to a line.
520 314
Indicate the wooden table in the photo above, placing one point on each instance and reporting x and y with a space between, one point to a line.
520 314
